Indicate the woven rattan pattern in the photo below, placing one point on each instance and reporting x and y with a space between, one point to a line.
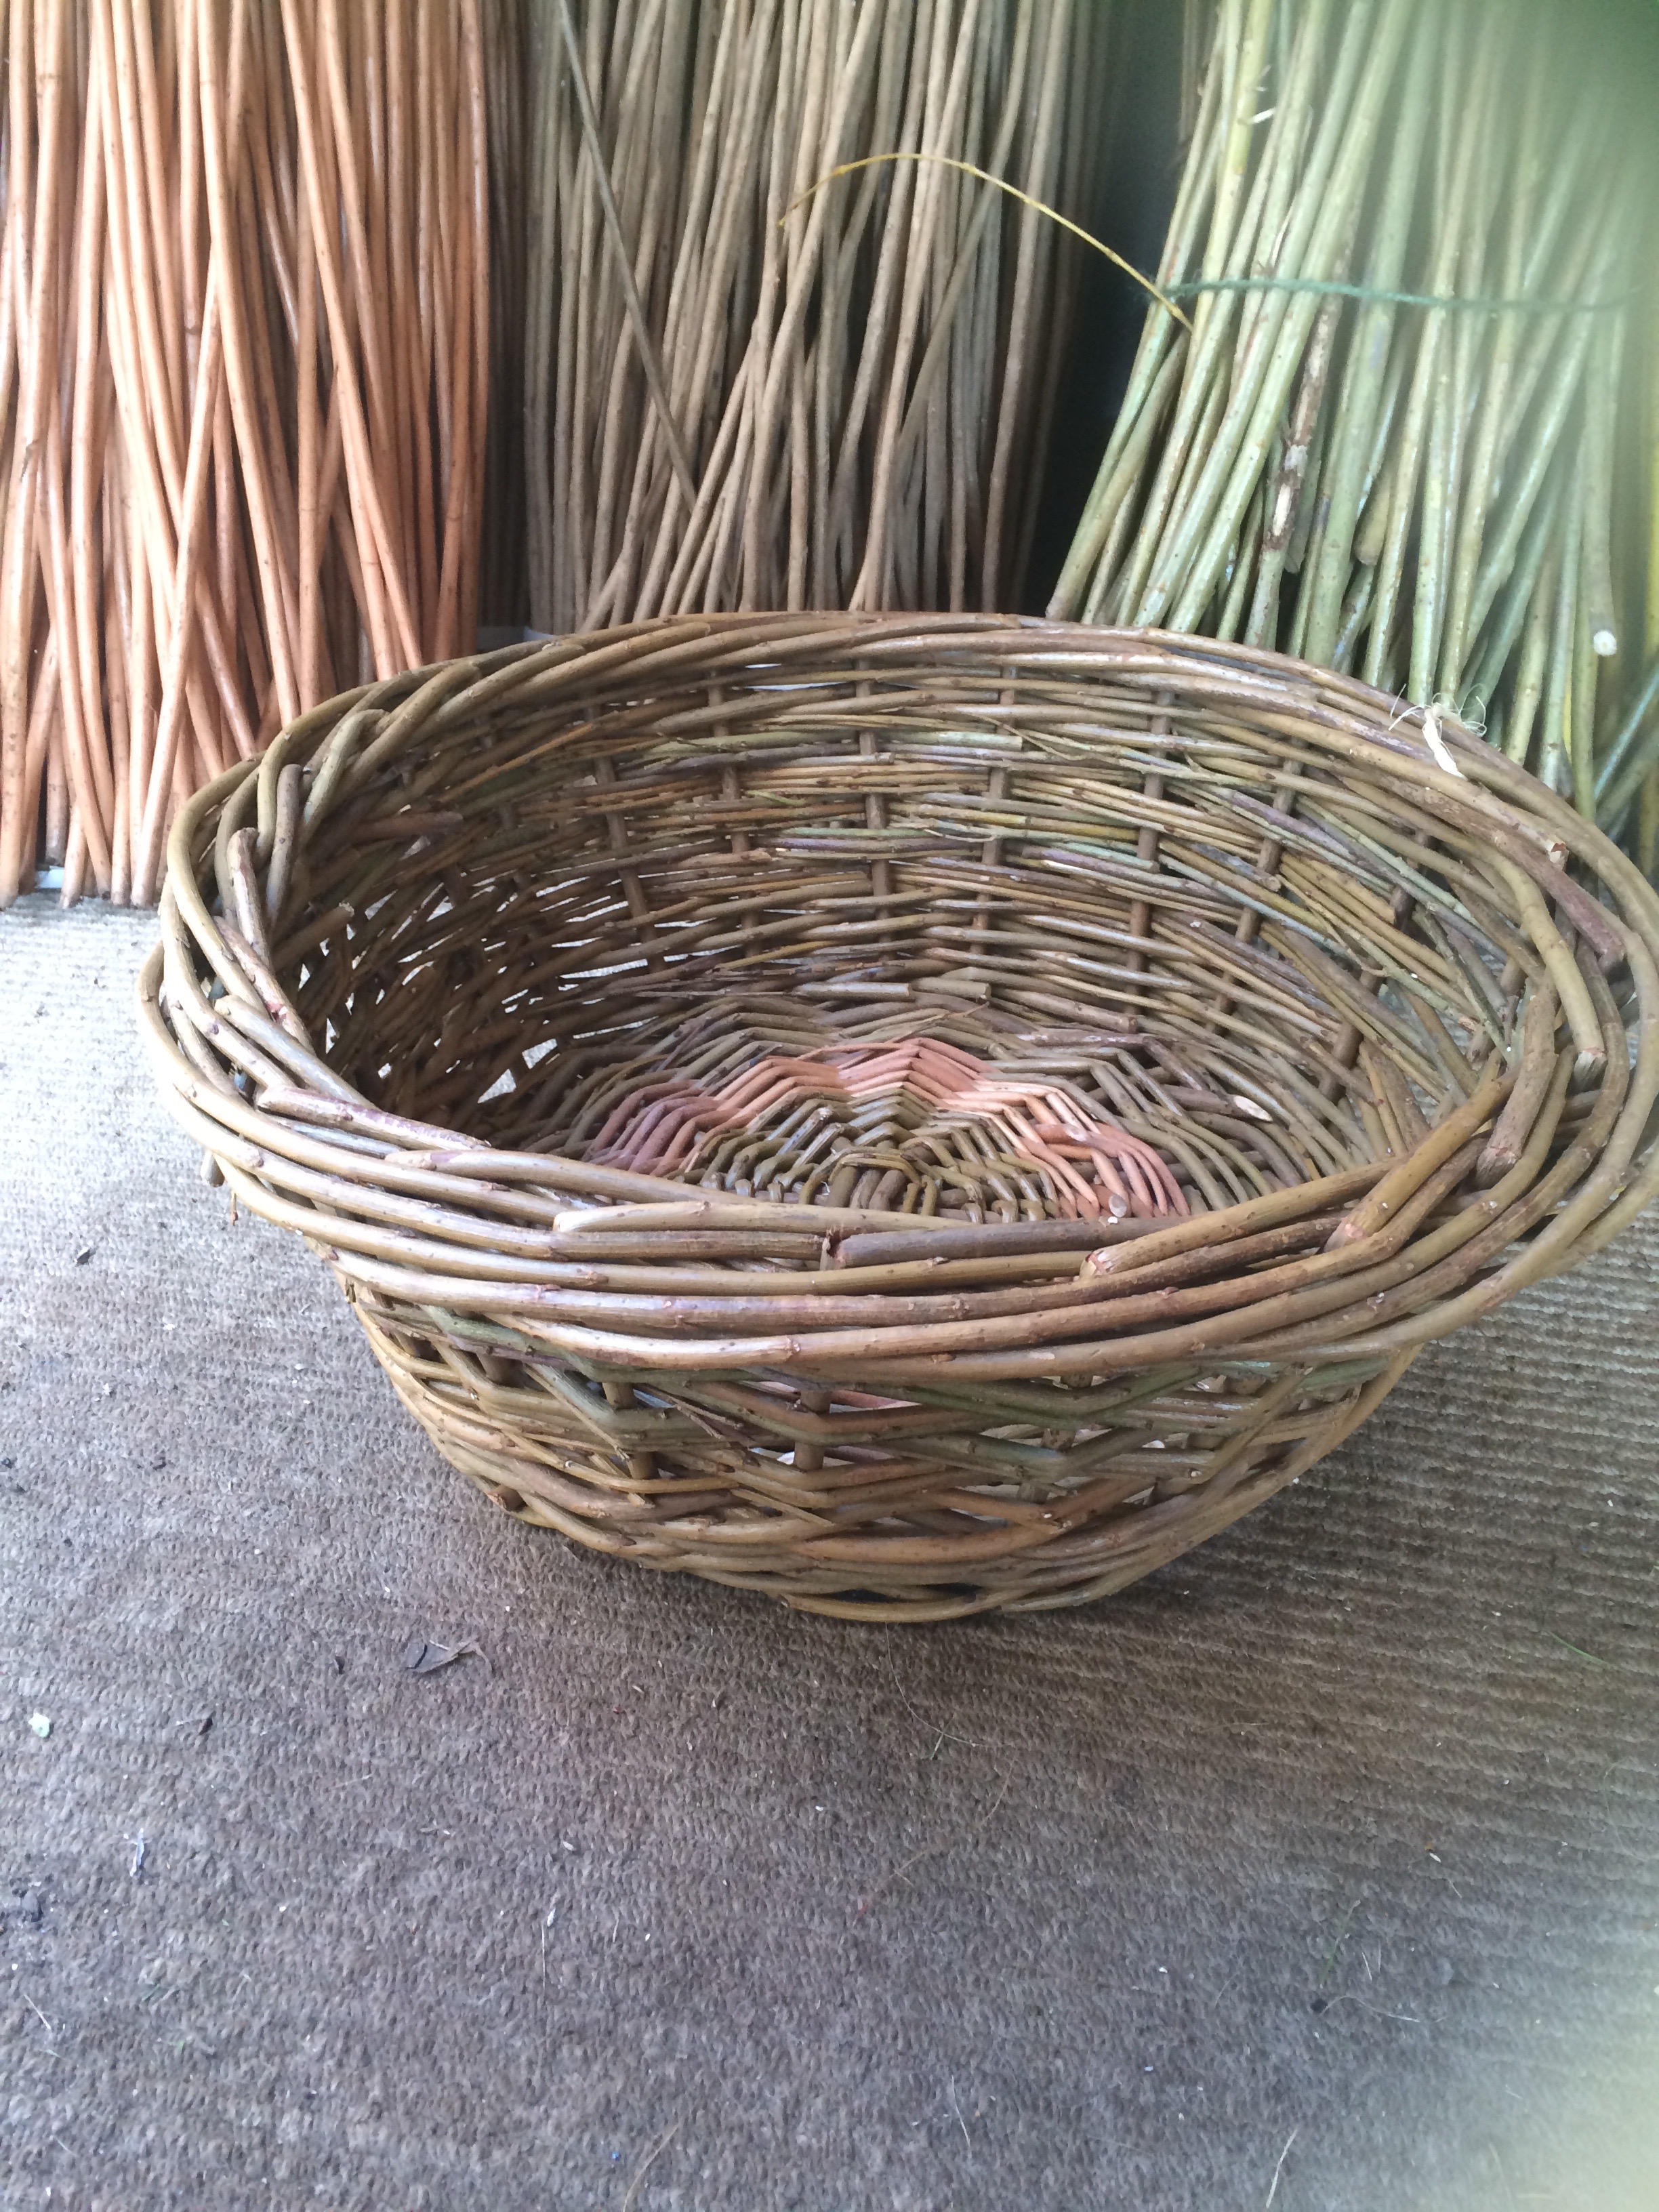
911 1124
1386 1010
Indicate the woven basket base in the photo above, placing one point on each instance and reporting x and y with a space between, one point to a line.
959 1114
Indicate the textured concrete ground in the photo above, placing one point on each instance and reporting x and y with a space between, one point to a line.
1318 1870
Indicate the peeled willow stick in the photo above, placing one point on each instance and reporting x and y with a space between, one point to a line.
1391 441
244 375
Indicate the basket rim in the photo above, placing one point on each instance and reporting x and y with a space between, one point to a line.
1479 791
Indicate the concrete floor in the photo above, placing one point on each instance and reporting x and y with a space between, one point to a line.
1319 1871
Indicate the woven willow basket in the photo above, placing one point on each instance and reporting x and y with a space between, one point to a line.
909 1114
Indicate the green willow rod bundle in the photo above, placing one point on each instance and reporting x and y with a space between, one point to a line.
1419 494
740 393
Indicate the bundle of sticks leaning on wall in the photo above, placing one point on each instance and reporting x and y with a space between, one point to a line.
742 391
264 383
244 369
329 331
1403 438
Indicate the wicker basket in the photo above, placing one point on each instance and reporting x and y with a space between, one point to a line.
909 1114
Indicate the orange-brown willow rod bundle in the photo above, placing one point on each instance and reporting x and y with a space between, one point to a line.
244 365
743 392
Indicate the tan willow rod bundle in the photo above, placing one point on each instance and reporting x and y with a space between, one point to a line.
244 365
1407 232
742 392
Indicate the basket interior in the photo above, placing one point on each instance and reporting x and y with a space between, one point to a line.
716 931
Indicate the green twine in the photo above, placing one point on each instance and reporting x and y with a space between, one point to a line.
1469 303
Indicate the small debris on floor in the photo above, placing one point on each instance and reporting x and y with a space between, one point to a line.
84 1254
40 1725
421 1655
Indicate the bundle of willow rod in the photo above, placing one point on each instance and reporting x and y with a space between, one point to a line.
1421 494
244 324
742 392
